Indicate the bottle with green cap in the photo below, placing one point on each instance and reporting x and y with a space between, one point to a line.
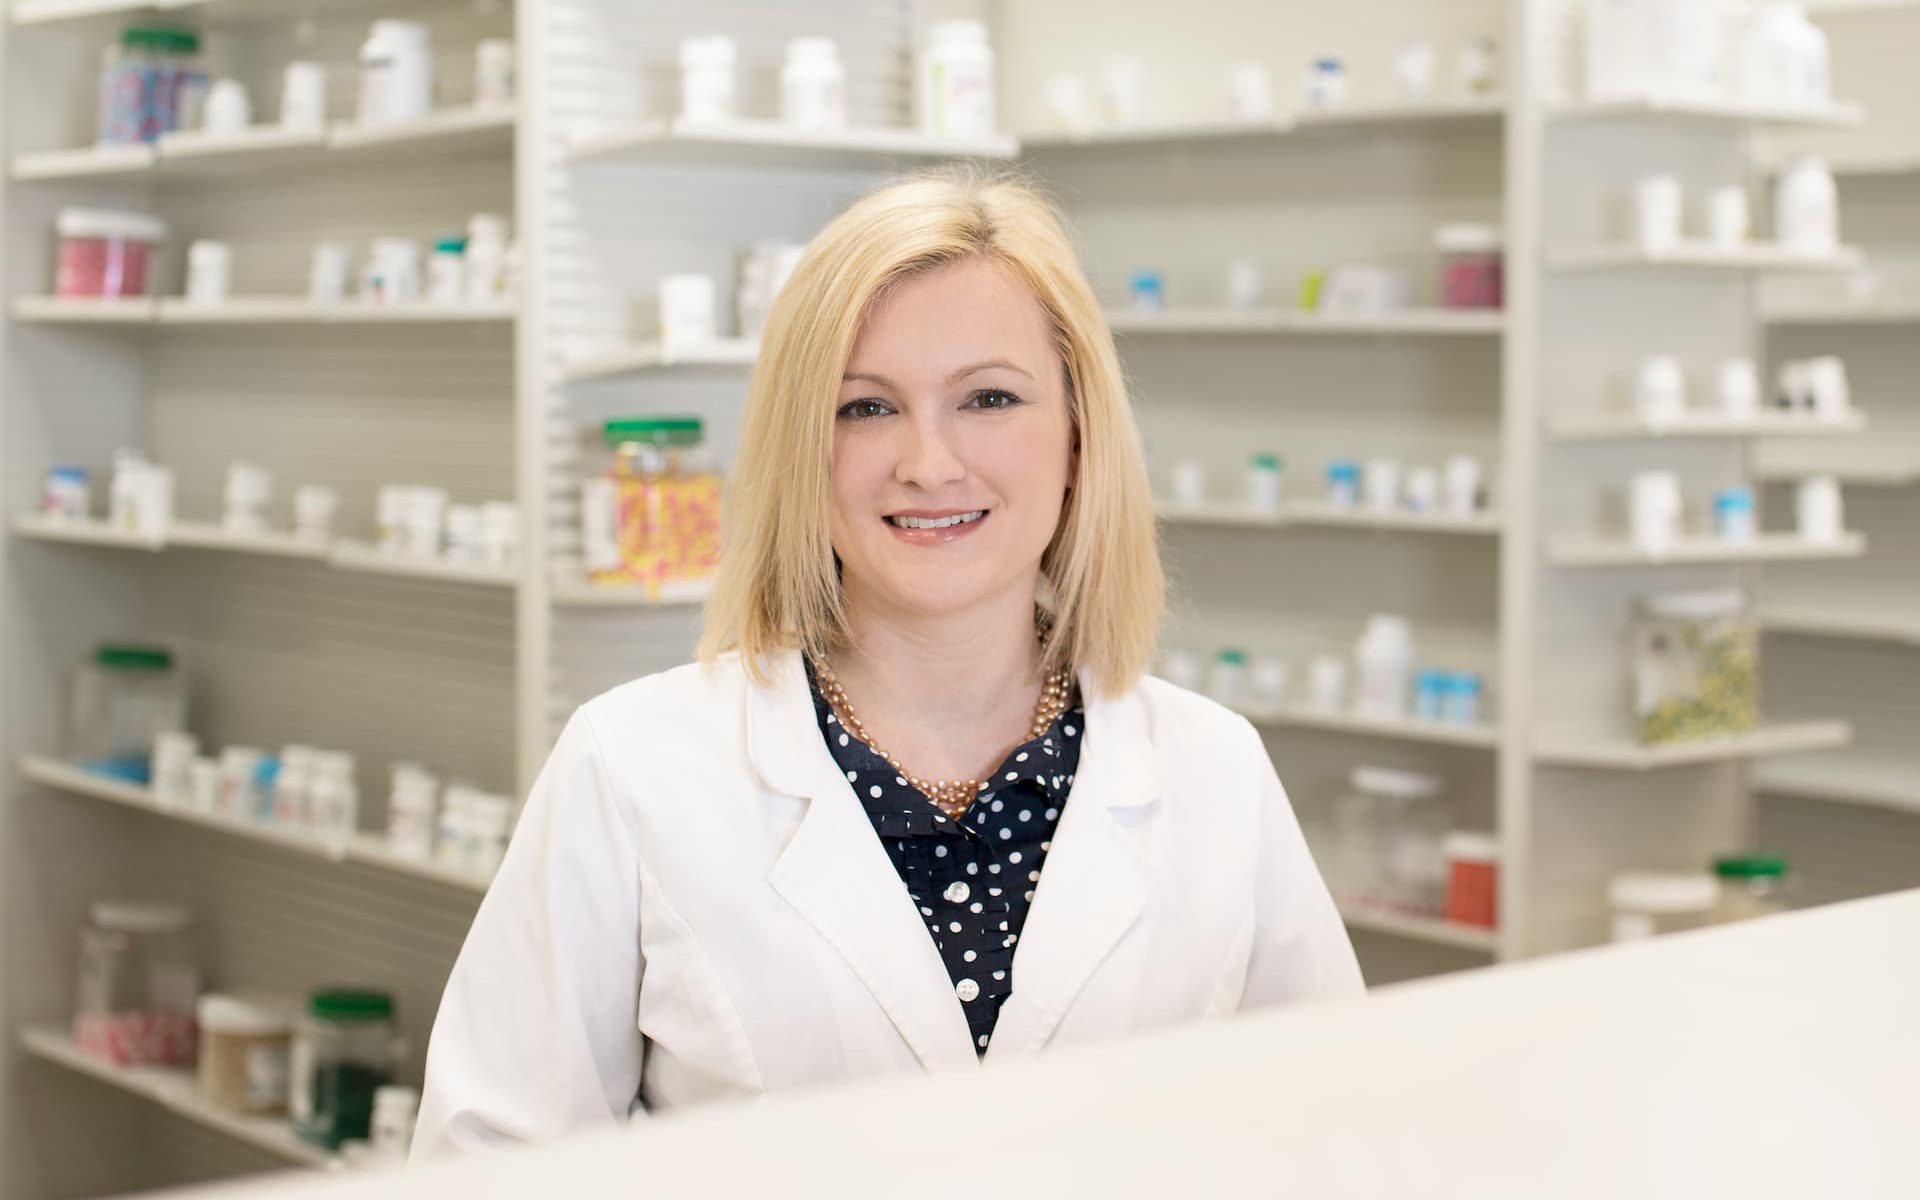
1751 885
1264 476
344 1051
446 271
655 516
122 698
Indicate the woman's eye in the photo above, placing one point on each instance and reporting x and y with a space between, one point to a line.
993 398
860 410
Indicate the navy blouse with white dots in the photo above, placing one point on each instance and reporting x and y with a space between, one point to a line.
972 881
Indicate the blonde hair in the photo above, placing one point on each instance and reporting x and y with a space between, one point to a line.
778 588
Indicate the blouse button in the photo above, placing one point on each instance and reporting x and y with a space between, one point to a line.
957 892
967 990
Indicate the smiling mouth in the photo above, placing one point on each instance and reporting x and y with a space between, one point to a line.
951 522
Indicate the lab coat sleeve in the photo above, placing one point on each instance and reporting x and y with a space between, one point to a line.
1300 945
537 1035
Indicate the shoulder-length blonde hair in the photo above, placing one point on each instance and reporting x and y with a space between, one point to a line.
778 585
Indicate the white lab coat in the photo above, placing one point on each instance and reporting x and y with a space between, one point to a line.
695 907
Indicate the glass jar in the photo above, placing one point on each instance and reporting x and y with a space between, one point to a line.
103 253
1695 666
244 1048
1471 266
1750 886
344 1050
1646 905
665 494
120 702
139 976
1412 824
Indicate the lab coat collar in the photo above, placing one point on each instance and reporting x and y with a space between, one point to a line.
836 875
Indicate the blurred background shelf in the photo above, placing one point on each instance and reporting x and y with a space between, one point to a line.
1693 551
1622 754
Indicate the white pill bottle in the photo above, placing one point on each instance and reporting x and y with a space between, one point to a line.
956 81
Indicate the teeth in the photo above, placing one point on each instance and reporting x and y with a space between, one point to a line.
937 523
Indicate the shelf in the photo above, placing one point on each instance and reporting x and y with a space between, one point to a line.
1901 627
1435 322
1833 116
1878 463
1420 929
659 356
1605 427
1368 119
1693 551
449 133
578 593
769 144
83 533
1406 729
1297 513
364 849
1906 312
63 310
296 310
1848 8
358 556
1843 779
1700 256
1623 754
177 1091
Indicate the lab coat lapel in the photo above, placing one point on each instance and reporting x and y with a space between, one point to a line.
835 874
1094 884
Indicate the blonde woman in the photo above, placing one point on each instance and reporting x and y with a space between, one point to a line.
917 807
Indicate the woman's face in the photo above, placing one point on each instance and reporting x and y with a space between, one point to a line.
952 446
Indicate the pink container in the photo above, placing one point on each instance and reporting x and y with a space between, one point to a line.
1471 266
105 253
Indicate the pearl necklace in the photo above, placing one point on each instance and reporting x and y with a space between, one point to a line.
950 796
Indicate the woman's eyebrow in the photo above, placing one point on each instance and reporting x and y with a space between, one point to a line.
956 377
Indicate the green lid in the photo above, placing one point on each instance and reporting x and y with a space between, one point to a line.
350 1004
161 38
1759 866
134 658
1236 658
450 245
660 431
1266 462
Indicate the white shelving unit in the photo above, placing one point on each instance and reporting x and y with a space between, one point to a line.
1426 322
1585 551
1406 729
1420 929
1308 513
1836 116
1699 256
253 310
1843 779
1621 754
1344 120
1626 426
643 357
774 145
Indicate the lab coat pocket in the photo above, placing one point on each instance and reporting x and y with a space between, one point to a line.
697 1046
1232 982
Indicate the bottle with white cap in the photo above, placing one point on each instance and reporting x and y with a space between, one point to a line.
707 85
813 84
485 258
1383 662
956 81
395 1110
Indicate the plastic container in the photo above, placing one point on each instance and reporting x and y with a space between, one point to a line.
303 98
1390 830
1430 694
249 491
707 85
1785 60
123 698
1148 290
1471 266
344 1051
485 258
1343 483
1647 904
396 73
209 271
1383 661
493 73
105 253
689 309
1264 476
1473 878
956 81
1750 886
413 810
446 273
1326 84
1819 509
1807 208
68 495
1461 703
395 1112
149 85
392 272
1734 516
1695 666
1228 683
813 84
1653 49
139 976
666 502
244 1049
1655 510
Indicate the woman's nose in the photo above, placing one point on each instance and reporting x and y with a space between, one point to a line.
930 458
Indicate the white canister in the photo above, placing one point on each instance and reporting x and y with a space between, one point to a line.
499 532
1189 479
1123 86
1463 485
1327 683
1660 391
395 1109
689 309
1648 904
209 272
205 797
1181 668
813 84
956 81
1243 285
327 281
1271 679
249 490
1480 67
396 73
1729 221
1655 510
446 272
484 262
1249 93
425 517
1818 509
313 509
1796 386
239 792
303 98
1739 388
1807 208
1414 68
1381 484
393 272
174 754
1423 490
413 805
1264 476
1326 85
464 522
1067 104
493 73
1657 206
1827 384
153 501
1384 661
228 111
1228 682
708 91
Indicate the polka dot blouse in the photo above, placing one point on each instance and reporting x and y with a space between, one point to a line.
973 881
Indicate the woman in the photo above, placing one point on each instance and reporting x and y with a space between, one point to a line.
917 806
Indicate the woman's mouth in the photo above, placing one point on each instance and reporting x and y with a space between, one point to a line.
934 528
